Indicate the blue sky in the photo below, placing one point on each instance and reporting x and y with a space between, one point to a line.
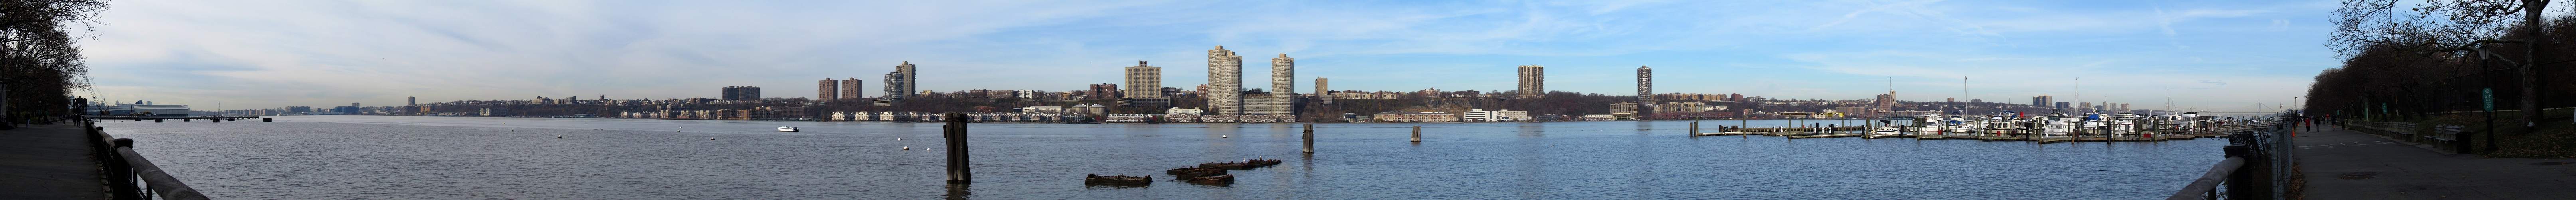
2222 55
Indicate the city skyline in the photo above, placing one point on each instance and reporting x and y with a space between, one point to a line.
2012 48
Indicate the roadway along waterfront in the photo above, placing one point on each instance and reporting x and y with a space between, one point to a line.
340 157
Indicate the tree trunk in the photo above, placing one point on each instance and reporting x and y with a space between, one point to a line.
2530 91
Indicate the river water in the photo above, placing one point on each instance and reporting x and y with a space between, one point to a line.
390 157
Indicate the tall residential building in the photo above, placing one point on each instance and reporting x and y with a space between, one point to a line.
1144 81
2041 101
741 93
827 89
900 83
1645 85
1321 93
850 89
1225 82
1533 81
1283 84
892 87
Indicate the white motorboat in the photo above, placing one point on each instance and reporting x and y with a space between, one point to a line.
786 129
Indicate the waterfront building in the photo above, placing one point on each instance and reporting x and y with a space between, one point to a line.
1476 115
1128 118
1182 111
1225 82
1042 109
1283 86
1623 110
1681 107
1401 116
1533 81
1144 81
1599 117
827 89
1645 85
1089 108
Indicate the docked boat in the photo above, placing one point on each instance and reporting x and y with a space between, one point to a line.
787 129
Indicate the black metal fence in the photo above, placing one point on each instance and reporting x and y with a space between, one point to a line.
2258 166
129 175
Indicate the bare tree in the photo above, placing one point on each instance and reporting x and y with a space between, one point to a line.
2460 27
40 61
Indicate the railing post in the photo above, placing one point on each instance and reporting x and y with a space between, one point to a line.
2242 183
958 173
120 174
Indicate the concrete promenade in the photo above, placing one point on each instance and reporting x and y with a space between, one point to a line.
2344 164
48 162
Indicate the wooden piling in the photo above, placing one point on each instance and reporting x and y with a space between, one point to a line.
1310 138
1417 136
955 132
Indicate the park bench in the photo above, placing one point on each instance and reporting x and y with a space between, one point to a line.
2451 135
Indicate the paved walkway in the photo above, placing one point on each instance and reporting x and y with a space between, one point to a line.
2344 164
48 162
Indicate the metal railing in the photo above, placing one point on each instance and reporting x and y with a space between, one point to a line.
129 175
2258 166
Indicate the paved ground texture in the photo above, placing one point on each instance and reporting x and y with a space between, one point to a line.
2344 164
48 162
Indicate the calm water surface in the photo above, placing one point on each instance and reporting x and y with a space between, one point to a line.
388 157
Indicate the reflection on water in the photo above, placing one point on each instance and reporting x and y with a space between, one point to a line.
343 157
